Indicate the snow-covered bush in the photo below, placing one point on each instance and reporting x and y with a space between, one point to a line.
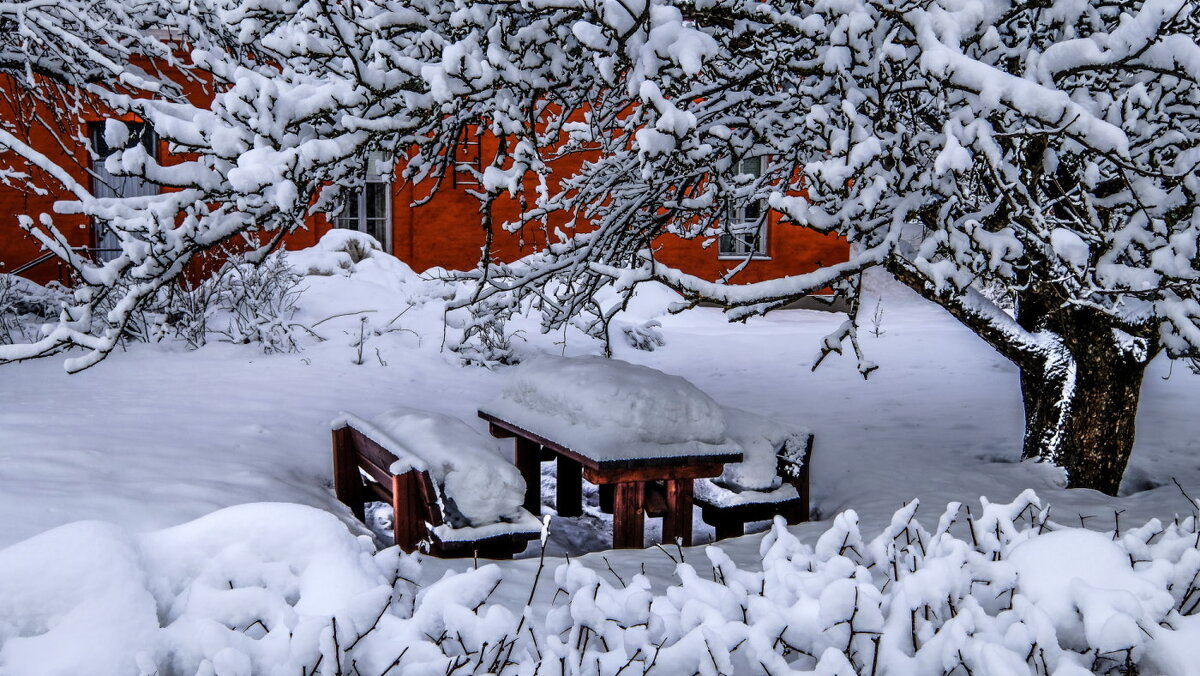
282 589
25 306
482 335
257 303
645 336
241 302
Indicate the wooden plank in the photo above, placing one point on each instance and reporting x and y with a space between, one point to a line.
629 521
498 431
677 522
379 474
347 484
729 528
522 433
622 475
383 492
527 458
367 448
568 499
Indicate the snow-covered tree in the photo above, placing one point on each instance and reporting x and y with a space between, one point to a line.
1047 148
264 107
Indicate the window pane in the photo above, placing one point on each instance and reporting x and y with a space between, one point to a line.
752 166
348 218
376 202
105 184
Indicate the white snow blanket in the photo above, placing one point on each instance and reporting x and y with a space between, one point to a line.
478 481
608 409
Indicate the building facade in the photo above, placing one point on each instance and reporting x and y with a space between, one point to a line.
443 231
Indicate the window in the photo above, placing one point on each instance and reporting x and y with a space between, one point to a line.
368 209
105 184
745 231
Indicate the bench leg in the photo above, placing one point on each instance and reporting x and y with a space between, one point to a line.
408 522
528 460
729 528
677 522
347 482
805 491
569 487
629 521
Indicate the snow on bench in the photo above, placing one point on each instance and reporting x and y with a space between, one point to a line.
451 488
772 479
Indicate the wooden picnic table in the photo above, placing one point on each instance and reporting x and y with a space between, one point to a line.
627 474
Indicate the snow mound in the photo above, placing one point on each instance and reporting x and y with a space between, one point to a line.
90 598
336 253
1091 593
479 483
624 399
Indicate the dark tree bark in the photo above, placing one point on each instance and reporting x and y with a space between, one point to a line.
1081 401
1080 385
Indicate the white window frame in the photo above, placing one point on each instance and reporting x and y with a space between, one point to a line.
376 176
744 235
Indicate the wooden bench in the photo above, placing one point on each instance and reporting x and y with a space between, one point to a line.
730 516
361 473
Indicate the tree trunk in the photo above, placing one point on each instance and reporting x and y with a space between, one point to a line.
1081 401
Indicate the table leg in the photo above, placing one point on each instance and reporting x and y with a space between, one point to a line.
606 492
677 522
528 461
569 487
629 521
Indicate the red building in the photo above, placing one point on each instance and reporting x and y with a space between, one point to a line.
443 232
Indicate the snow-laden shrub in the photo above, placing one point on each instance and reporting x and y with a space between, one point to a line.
283 589
256 303
24 306
482 337
242 303
645 336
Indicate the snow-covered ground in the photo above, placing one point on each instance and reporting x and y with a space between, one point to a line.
157 436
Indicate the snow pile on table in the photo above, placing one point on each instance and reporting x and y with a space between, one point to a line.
611 408
284 589
479 483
